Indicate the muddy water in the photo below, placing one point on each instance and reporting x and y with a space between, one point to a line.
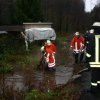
41 79
15 81
62 75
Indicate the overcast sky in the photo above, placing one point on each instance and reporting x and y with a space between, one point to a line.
90 4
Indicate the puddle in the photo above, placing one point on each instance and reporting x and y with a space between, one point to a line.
16 81
63 74
60 77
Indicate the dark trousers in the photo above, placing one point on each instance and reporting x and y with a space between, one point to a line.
46 66
95 77
78 57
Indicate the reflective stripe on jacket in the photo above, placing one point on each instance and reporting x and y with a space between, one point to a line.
77 44
93 49
50 59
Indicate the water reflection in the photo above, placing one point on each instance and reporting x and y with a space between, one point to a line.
16 81
41 80
63 74
59 77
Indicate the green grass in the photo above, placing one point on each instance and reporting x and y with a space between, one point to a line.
65 93
13 53
63 39
6 69
37 95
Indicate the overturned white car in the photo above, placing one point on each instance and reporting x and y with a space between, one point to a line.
40 34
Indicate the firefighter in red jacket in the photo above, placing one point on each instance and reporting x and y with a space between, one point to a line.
78 47
50 45
50 58
49 50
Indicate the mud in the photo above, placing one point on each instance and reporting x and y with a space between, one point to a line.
60 77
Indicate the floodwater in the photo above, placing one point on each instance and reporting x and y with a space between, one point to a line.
41 80
15 81
20 83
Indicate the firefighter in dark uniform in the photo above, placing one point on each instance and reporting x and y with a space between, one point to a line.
93 54
86 38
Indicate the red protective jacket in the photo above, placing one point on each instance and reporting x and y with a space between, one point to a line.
50 59
52 47
77 44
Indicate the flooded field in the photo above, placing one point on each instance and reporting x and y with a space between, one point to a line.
24 78
41 80
57 78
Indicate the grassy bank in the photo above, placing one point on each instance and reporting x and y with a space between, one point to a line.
13 52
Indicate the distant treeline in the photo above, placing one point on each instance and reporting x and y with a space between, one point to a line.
69 15
66 15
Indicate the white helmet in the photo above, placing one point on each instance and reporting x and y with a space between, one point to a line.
77 33
42 48
48 42
96 24
91 31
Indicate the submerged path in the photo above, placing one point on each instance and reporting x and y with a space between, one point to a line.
39 78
